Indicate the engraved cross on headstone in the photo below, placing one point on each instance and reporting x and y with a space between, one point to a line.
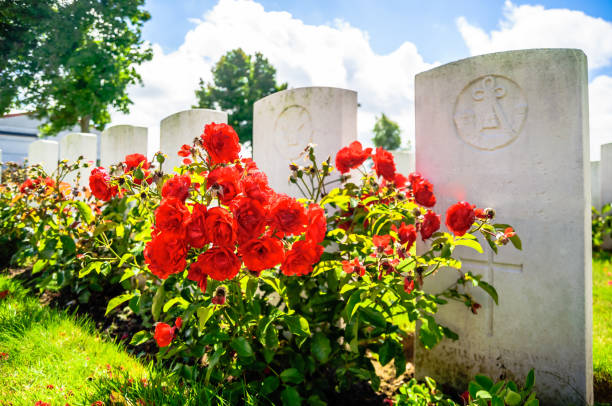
488 269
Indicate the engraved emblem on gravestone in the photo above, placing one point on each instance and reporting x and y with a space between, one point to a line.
490 112
292 131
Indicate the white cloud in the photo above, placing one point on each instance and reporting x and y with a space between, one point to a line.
530 26
304 55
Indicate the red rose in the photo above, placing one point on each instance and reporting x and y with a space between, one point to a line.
422 191
255 185
165 254
352 156
221 143
406 234
400 180
196 273
262 253
381 241
355 266
287 215
301 258
185 151
220 227
460 217
384 164
178 187
430 224
134 160
171 216
250 218
408 285
220 263
227 179
317 224
248 164
195 227
99 184
163 334
27 185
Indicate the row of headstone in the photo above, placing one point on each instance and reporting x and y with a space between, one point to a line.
601 172
500 131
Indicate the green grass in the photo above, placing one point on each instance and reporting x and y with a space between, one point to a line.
602 324
46 347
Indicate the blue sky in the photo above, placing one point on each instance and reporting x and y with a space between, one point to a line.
373 47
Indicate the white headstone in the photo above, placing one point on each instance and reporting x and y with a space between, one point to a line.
404 162
605 174
182 128
45 153
284 123
120 140
595 185
75 145
510 131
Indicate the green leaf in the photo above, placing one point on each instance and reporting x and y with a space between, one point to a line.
269 385
68 245
116 301
489 289
291 397
39 266
320 347
84 210
158 301
474 244
512 398
49 248
387 351
174 301
291 375
298 325
353 304
516 241
373 317
140 338
473 388
204 314
242 347
484 381
530 381
483 394
532 402
92 266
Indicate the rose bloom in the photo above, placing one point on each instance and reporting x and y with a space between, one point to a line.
317 224
163 334
196 273
381 241
171 215
301 258
460 217
384 164
165 254
221 143
228 178
220 227
430 224
406 234
195 227
26 185
178 187
255 185
423 194
354 266
287 215
220 263
262 253
352 156
250 218
132 161
99 184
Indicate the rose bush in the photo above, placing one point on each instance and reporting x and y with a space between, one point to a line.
287 298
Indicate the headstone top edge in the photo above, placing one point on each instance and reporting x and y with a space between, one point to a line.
123 126
484 58
81 134
286 92
607 146
223 113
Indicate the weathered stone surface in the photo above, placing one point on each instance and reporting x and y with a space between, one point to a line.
404 162
605 174
45 153
595 185
510 130
182 128
284 123
120 140
74 145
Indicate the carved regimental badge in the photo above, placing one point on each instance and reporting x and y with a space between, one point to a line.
293 131
490 112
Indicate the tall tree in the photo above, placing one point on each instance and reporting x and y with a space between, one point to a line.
239 80
70 61
386 133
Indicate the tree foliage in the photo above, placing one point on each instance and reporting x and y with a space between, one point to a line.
386 133
239 80
70 61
